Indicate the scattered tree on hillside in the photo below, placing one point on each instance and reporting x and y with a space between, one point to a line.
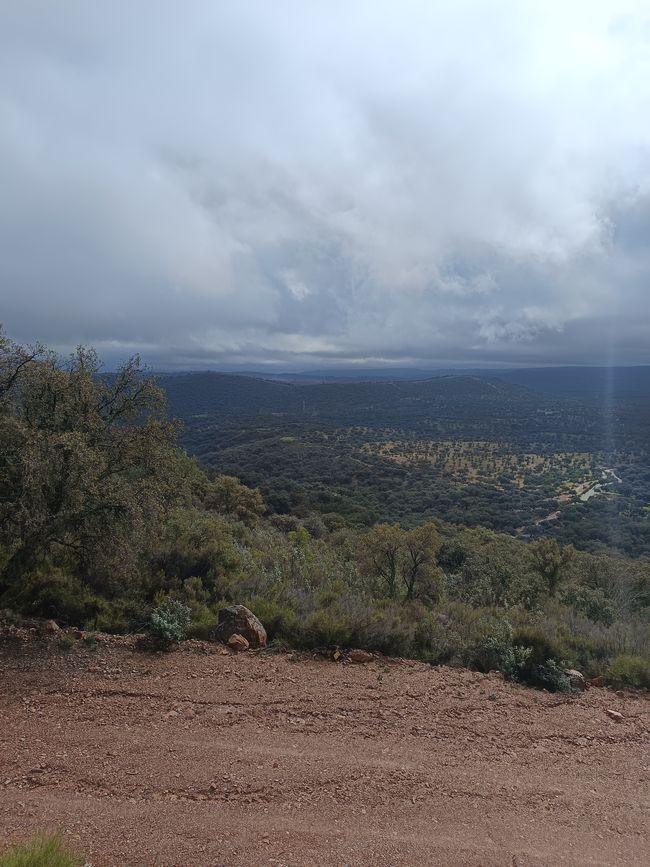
227 495
549 560
390 556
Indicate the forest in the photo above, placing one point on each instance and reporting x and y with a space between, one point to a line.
552 459
305 506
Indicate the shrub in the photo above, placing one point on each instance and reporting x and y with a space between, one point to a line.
280 621
66 642
118 616
42 851
204 621
170 621
590 601
55 594
549 676
497 652
541 645
629 671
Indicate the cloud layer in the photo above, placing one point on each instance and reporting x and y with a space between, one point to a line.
327 182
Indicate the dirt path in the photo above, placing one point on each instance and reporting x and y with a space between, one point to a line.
199 758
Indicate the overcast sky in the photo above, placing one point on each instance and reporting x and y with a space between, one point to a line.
314 182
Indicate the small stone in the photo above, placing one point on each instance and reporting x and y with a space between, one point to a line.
360 656
615 715
238 642
51 627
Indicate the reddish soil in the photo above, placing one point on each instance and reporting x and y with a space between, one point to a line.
198 758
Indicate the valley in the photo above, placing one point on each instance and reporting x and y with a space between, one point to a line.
479 450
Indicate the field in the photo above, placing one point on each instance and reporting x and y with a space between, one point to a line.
204 758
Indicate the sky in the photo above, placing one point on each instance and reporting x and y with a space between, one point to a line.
315 183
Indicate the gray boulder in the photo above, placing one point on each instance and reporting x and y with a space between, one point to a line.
239 620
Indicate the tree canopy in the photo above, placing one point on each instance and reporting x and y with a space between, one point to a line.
88 461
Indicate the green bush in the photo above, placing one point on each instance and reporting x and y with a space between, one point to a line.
118 616
203 622
66 642
591 602
549 676
54 594
170 621
497 651
280 620
541 645
629 671
42 851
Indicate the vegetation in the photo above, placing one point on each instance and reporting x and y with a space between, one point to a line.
106 524
43 851
170 621
468 450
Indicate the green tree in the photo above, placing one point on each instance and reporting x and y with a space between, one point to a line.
418 559
227 495
549 560
392 557
379 556
88 462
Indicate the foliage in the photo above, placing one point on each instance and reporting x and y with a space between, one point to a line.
43 851
170 621
88 465
629 671
66 642
549 560
227 495
397 560
496 652
550 676
464 449
590 601
102 518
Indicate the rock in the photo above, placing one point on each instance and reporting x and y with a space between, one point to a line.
576 679
615 715
597 681
51 627
360 656
238 642
237 619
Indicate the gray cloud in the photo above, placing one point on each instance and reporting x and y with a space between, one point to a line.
297 183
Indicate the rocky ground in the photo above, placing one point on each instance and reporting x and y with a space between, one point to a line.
206 757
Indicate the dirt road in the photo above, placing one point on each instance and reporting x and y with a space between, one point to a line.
199 758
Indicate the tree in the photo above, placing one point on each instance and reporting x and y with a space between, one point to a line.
549 560
88 462
227 495
379 556
391 556
419 549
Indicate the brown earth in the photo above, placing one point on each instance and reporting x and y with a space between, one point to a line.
201 757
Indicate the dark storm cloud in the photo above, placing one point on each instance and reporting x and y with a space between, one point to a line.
299 183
